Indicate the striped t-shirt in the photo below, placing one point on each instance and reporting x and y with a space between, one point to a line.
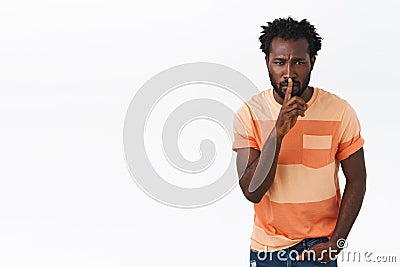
303 201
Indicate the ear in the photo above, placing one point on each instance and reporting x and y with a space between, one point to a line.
266 60
312 62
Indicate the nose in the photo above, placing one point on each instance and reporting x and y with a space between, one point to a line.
289 72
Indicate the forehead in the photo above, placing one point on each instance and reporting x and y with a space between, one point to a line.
281 47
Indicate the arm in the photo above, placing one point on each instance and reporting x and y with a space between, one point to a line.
354 170
256 169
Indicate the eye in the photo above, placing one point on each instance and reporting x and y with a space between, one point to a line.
278 63
300 62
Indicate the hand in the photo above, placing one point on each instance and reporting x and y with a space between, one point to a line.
291 108
321 252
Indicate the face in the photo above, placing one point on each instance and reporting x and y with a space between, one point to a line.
289 59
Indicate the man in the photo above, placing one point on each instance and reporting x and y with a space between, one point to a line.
290 142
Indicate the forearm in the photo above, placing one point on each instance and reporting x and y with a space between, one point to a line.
260 174
350 206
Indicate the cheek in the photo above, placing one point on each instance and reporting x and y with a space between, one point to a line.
304 75
276 72
274 78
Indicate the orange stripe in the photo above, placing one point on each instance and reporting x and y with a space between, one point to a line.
297 220
317 158
263 242
241 141
292 151
347 148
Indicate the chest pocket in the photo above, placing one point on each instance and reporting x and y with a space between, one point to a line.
317 150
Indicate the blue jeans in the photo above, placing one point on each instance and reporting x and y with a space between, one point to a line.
287 257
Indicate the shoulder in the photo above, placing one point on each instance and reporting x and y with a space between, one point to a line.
259 99
328 106
257 106
327 96
332 101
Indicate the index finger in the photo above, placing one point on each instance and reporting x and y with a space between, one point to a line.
288 93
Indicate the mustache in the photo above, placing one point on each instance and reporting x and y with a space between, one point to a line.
286 83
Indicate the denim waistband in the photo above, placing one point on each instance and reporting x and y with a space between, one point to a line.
309 242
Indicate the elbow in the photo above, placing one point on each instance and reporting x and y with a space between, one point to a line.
364 187
252 197
256 200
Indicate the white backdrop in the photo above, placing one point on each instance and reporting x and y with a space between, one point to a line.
68 71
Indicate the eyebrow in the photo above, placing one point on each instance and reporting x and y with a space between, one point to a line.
294 58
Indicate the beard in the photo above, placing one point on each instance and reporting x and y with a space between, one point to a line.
278 87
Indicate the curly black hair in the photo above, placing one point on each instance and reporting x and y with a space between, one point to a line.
289 28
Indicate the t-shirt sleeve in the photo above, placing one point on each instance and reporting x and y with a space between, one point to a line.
244 129
350 139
